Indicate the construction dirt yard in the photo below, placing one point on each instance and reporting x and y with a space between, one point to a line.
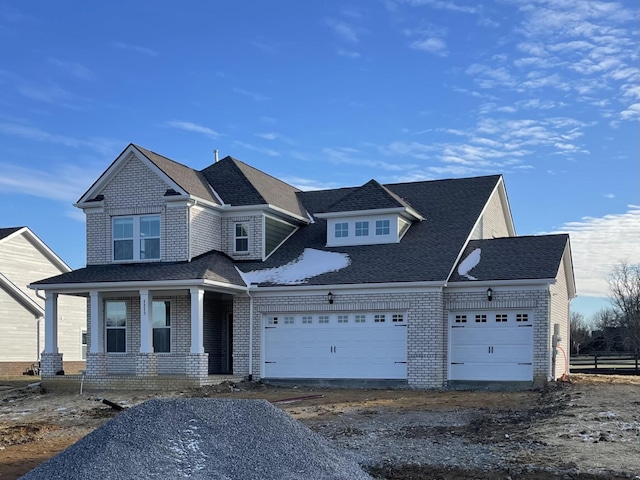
584 428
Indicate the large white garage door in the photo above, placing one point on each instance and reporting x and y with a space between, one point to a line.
346 345
489 346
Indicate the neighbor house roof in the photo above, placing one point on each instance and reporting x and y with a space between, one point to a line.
425 254
213 266
5 232
512 258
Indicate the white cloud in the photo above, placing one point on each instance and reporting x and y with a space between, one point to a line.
348 53
345 31
437 46
598 244
266 151
134 48
72 68
255 96
193 127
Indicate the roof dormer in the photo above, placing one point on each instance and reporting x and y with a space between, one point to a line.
369 215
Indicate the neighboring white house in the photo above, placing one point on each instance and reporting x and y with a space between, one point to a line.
192 274
24 259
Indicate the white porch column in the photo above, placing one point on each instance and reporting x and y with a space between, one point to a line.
197 309
146 323
51 322
96 331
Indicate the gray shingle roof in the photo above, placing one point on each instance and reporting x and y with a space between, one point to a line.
240 184
214 266
427 251
5 232
369 196
514 258
190 180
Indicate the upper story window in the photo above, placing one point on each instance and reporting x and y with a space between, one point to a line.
362 229
241 243
342 230
136 238
382 227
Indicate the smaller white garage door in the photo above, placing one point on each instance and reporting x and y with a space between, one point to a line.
366 345
491 346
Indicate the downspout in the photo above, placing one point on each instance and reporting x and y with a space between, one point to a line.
38 328
250 333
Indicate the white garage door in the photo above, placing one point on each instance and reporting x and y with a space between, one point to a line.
346 345
489 346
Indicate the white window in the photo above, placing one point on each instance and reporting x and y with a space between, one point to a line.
501 317
323 319
342 230
360 318
380 318
136 238
481 319
307 320
116 326
522 317
382 227
289 320
241 243
397 317
362 229
461 319
343 318
161 326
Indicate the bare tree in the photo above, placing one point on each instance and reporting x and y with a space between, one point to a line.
605 326
624 288
579 332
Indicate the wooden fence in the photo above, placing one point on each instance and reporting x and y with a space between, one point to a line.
625 364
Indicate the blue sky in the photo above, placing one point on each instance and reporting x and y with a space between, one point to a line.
329 94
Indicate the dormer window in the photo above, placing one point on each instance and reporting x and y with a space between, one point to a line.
136 238
382 227
362 229
342 230
241 243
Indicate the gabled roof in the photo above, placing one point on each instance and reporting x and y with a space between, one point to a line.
426 252
239 184
514 258
213 266
370 196
7 233
22 298
189 180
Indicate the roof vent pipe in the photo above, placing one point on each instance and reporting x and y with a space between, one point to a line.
215 155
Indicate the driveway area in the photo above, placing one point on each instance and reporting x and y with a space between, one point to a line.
586 428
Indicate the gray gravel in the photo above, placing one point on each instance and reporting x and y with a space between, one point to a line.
201 438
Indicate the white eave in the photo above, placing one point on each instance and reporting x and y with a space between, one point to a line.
41 247
78 288
23 299
404 211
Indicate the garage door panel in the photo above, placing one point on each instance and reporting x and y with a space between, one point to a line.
339 347
497 349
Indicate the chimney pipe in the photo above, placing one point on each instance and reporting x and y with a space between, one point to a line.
215 155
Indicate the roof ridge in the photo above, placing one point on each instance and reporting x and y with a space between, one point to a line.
245 164
146 150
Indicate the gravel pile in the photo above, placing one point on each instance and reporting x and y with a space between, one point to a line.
201 438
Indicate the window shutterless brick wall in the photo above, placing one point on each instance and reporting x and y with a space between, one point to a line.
255 236
426 328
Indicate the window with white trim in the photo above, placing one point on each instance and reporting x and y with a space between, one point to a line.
501 317
241 238
379 318
461 319
397 317
360 318
522 317
307 320
362 229
116 326
161 315
383 227
323 319
481 318
342 230
289 320
343 318
272 321
136 237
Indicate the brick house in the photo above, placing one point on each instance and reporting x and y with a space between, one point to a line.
193 275
25 258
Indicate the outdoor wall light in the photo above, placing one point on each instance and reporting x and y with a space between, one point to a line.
330 297
489 294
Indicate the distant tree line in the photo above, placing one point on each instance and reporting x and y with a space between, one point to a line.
615 329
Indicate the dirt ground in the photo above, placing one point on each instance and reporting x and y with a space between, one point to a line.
586 428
